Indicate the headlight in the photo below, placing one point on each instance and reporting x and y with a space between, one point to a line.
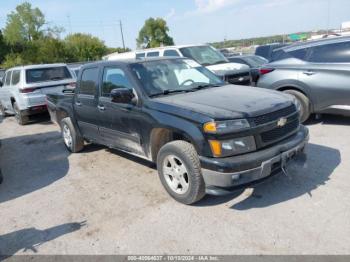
297 104
233 146
229 126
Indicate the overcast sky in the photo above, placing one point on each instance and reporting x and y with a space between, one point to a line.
190 21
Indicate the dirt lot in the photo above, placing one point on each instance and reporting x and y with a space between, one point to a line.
102 201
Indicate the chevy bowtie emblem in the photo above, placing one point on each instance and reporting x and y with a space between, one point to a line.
282 122
240 79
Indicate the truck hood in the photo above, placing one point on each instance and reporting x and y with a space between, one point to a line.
228 68
226 102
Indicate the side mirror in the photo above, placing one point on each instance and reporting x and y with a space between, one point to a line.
122 95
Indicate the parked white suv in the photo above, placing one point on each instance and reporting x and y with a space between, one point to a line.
23 90
205 55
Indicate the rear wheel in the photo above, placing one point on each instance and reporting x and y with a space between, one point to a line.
180 172
72 140
20 117
304 101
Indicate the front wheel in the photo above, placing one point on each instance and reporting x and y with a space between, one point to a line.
72 140
304 101
180 172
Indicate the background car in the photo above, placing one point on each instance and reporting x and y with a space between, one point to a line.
317 73
23 92
253 61
266 50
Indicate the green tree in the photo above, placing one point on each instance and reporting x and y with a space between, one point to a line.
4 48
25 24
84 47
154 34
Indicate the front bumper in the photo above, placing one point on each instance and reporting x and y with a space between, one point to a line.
236 171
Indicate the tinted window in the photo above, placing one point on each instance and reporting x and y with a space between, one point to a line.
8 78
152 54
171 53
47 74
114 78
331 53
140 55
300 53
89 81
16 77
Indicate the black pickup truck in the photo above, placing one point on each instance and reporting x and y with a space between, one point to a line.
204 135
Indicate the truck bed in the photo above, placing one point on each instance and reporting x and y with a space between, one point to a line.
57 102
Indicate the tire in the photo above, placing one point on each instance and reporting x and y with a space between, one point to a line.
20 117
304 101
72 140
178 163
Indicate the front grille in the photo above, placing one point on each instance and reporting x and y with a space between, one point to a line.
274 116
279 132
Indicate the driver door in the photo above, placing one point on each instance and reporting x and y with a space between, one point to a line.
119 123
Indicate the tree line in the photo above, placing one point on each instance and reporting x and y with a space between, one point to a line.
28 39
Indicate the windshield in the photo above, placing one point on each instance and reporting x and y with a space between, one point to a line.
47 74
204 55
174 75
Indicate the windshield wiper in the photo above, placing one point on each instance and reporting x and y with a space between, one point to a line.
171 91
199 87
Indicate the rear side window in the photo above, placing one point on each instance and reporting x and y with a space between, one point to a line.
331 53
8 78
140 55
152 54
171 53
89 81
114 78
47 74
16 75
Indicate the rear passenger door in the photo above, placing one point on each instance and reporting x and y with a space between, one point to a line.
119 123
328 74
85 103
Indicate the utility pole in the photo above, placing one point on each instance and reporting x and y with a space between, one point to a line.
121 32
69 24
328 15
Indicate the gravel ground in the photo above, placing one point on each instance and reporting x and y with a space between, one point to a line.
102 201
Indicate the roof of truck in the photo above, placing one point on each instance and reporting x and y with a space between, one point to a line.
131 61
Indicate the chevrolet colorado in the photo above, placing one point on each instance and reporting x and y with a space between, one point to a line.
205 135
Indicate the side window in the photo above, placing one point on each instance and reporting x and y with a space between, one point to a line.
140 55
152 54
8 78
300 53
16 75
89 81
170 52
332 53
113 78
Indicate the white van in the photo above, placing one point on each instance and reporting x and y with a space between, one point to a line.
23 90
205 55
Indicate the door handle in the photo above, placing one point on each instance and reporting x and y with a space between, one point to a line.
309 73
101 108
78 103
